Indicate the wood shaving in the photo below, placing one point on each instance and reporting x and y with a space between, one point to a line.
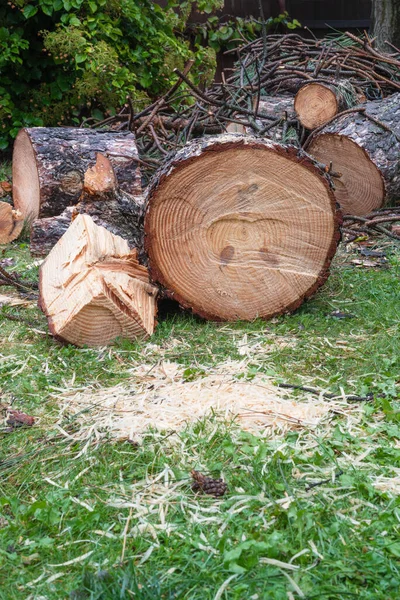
159 397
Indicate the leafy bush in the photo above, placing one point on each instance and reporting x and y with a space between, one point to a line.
61 60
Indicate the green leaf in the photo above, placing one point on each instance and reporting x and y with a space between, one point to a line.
80 58
29 11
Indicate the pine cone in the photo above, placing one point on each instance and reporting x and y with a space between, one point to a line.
207 485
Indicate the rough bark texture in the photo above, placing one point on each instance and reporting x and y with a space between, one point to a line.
386 23
316 103
92 288
239 228
11 223
366 153
119 212
49 165
276 106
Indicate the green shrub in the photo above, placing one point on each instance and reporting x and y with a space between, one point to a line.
62 60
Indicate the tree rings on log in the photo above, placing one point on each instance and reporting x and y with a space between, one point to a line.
11 223
239 228
316 103
92 288
49 166
360 188
364 147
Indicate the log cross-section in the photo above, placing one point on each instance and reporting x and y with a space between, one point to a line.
364 148
239 228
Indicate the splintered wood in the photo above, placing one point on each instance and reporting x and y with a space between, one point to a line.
240 228
11 223
92 288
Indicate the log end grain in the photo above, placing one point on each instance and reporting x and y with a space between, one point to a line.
26 188
315 104
239 228
360 189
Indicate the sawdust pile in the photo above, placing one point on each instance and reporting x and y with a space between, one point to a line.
160 397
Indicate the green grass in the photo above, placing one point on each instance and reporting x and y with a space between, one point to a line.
5 170
109 520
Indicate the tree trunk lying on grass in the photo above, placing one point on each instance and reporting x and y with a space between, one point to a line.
316 103
92 288
109 206
239 228
11 223
49 166
366 153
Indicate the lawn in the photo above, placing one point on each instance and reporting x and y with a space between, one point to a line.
310 512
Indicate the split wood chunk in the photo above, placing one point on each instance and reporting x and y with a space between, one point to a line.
239 228
11 223
49 165
102 199
366 153
316 103
92 288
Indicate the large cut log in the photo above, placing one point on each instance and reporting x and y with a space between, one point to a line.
316 103
239 228
49 165
104 201
364 147
92 288
11 223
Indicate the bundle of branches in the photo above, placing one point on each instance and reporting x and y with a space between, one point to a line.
339 73
385 221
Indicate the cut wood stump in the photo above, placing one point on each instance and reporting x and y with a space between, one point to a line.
364 148
92 288
49 166
239 228
316 103
102 199
11 223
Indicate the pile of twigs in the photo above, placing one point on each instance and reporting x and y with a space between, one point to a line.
273 64
380 221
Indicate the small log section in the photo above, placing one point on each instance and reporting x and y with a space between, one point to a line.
102 199
364 147
316 103
11 223
239 228
92 288
49 165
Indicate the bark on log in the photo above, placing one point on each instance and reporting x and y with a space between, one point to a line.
276 106
11 223
239 228
365 149
119 212
316 103
385 24
92 288
49 166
